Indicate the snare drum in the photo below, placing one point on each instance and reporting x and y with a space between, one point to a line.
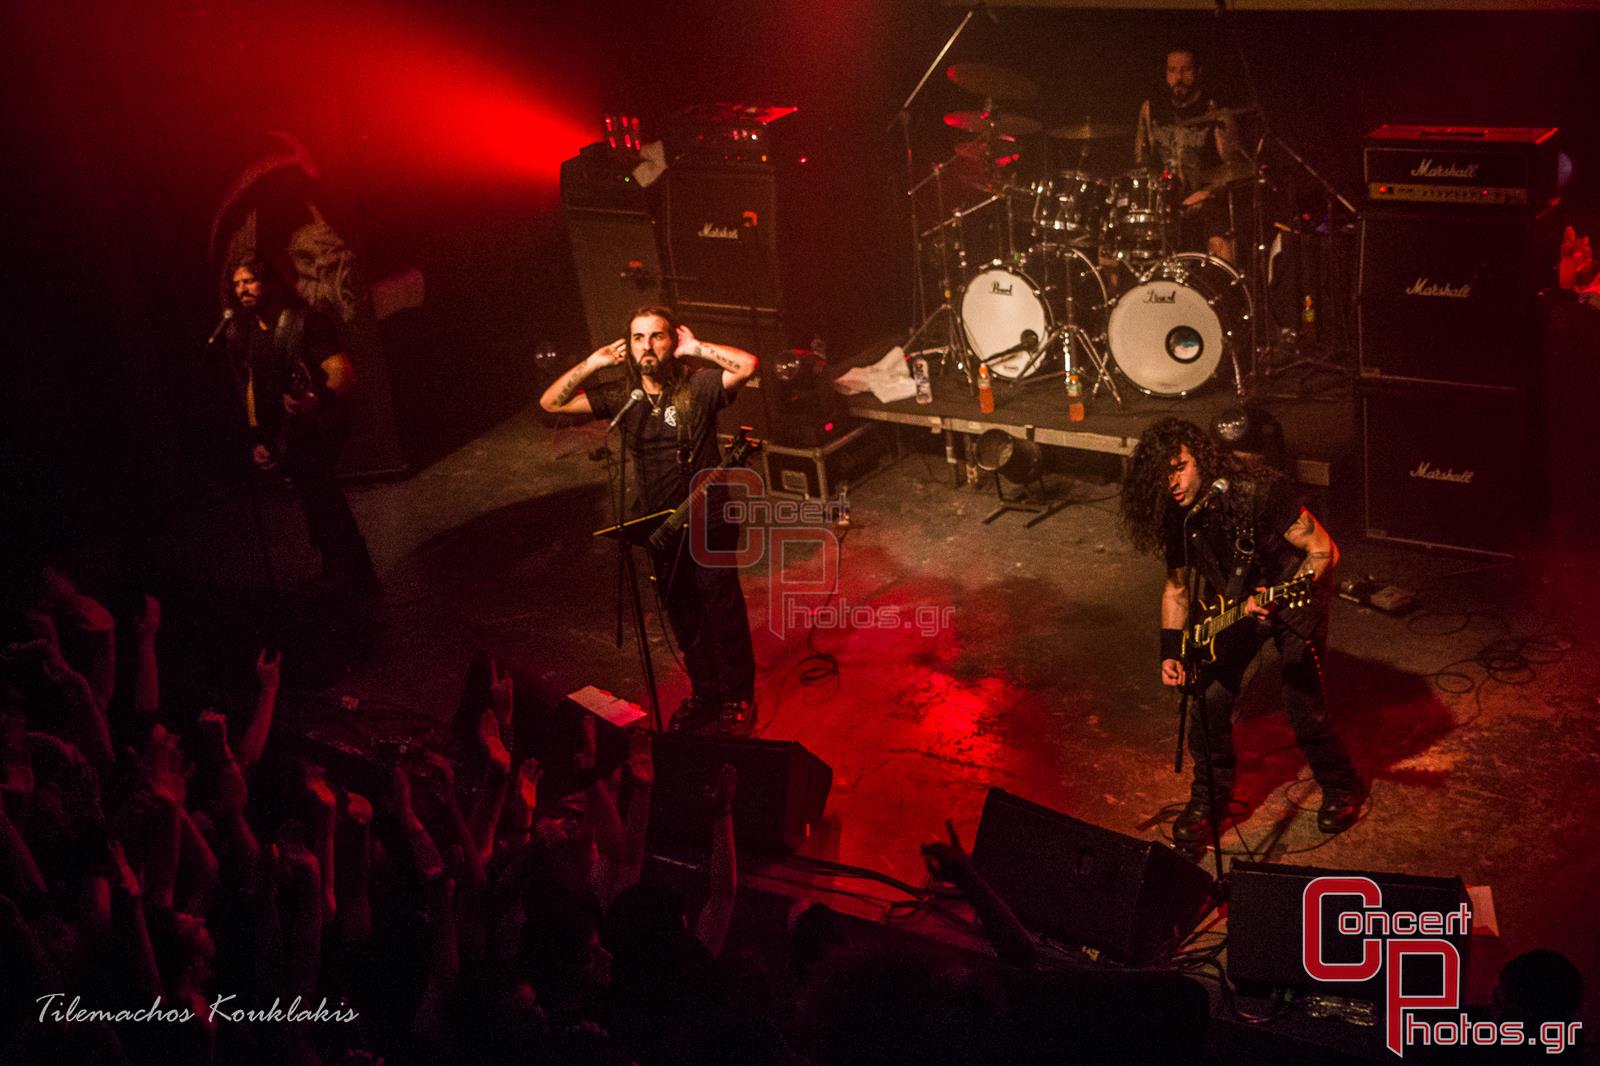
1140 219
998 306
1168 334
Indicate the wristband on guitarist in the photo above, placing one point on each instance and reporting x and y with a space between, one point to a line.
1171 644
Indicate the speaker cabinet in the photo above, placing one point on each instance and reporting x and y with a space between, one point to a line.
1448 468
721 225
1265 927
617 265
1085 885
782 792
1447 297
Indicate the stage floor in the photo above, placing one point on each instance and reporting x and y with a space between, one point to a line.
1017 657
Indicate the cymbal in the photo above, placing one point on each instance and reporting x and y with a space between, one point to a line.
1215 116
1090 131
992 83
997 151
989 124
1227 174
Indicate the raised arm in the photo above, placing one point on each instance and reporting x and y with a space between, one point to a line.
736 364
563 395
1322 554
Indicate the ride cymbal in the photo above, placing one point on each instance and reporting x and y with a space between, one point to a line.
991 82
1090 131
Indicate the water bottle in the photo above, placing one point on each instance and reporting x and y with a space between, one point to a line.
985 390
919 374
1074 395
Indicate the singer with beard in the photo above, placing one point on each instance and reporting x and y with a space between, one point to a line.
670 433
1188 152
1245 535
292 378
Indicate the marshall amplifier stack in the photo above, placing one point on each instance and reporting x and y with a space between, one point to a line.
708 239
1456 240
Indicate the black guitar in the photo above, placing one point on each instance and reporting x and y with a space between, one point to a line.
1202 636
657 530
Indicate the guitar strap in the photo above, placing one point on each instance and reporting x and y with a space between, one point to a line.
288 339
1230 582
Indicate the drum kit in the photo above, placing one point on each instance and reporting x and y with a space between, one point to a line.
1078 271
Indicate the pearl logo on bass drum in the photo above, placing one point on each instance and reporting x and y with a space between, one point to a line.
1428 287
1156 296
1428 472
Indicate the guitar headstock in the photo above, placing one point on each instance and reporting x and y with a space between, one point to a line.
1296 593
741 447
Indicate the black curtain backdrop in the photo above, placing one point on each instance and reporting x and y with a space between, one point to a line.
127 121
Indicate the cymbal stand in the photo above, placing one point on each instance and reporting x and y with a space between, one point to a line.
902 119
944 314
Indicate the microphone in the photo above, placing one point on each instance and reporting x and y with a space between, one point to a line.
633 397
1217 488
227 316
1030 340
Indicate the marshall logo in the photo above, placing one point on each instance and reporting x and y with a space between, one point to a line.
1429 169
1427 287
1428 472
999 289
718 233
1155 297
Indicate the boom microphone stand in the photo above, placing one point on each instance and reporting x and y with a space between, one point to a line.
628 586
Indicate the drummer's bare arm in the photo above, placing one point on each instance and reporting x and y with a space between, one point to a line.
1141 135
1228 145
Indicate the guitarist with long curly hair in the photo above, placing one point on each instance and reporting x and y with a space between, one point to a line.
670 434
1242 527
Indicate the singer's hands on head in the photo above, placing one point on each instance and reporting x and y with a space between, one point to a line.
613 354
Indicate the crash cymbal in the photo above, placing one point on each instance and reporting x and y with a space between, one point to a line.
989 124
1215 116
1227 174
1090 131
992 83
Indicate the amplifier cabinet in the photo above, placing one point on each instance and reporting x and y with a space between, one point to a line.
1449 468
614 253
721 227
1448 298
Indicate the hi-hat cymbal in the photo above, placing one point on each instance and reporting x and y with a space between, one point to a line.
1227 174
1090 131
992 83
989 124
1215 116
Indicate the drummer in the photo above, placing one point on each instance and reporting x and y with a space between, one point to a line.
1163 138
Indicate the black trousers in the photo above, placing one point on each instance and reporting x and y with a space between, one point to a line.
1300 635
311 459
705 606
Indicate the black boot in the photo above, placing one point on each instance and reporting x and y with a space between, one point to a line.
1193 824
1341 806
694 714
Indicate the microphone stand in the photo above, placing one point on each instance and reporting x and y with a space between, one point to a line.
1193 693
628 587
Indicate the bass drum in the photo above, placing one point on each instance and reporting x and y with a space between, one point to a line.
999 306
1169 334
